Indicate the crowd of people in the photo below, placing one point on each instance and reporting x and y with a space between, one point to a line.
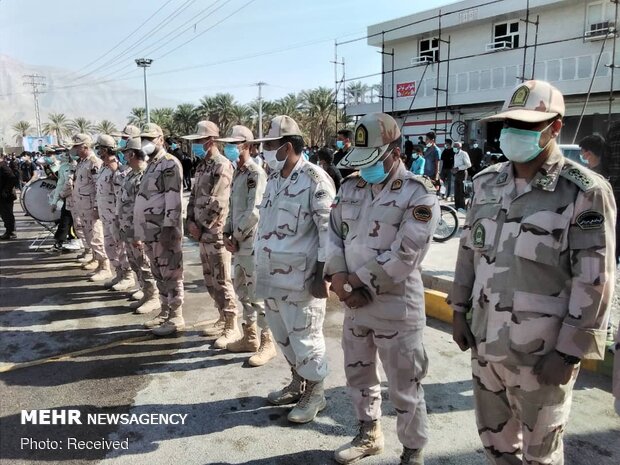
279 229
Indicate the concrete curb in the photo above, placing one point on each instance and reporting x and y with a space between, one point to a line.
437 308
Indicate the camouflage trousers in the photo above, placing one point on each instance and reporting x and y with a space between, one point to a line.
167 267
298 329
216 272
115 249
519 420
245 284
141 266
79 229
401 352
93 233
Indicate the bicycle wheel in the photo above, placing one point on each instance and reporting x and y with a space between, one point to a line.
448 224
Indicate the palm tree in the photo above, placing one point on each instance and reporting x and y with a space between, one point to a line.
58 126
137 117
105 127
22 129
164 118
81 125
356 92
319 110
218 109
185 118
290 105
241 114
269 111
376 91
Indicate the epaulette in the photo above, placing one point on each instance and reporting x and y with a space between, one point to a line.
424 180
167 156
493 169
316 177
578 175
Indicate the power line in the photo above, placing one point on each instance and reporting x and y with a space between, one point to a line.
121 41
36 81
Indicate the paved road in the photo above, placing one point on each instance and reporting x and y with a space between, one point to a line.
47 309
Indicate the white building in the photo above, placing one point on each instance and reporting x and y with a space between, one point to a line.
476 47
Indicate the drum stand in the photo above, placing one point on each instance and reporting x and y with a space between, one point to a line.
44 236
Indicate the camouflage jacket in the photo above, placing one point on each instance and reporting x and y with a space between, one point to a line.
537 269
108 187
383 238
247 191
84 186
208 202
125 203
159 199
292 232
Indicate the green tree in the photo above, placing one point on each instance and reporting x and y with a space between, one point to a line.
137 117
219 109
356 92
81 125
185 118
58 125
164 118
269 111
241 114
290 105
22 129
105 127
319 115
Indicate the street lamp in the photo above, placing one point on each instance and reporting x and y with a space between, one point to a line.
145 63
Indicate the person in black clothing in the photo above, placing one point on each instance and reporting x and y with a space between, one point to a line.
326 161
8 182
343 144
408 148
188 165
447 163
475 156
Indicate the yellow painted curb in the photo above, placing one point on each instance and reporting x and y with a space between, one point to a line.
437 308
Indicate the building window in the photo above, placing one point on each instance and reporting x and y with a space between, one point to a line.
506 35
597 23
429 48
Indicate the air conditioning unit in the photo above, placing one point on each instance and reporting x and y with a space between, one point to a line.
600 30
421 60
498 46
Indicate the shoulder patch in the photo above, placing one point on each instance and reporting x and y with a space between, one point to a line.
313 175
168 172
251 183
294 176
422 213
590 219
320 194
396 185
579 177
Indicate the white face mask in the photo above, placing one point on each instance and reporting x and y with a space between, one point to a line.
148 146
272 160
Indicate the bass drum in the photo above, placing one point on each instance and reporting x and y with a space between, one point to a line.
36 200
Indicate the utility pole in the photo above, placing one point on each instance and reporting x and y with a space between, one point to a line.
36 81
145 63
260 108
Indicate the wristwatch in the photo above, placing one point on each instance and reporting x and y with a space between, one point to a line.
569 359
347 287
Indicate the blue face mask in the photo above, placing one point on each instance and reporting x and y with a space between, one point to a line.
583 160
374 174
199 150
340 144
122 143
231 151
121 158
75 157
173 146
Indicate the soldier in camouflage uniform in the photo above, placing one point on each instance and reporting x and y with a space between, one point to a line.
158 223
206 215
290 255
85 202
248 187
109 184
124 227
381 227
535 270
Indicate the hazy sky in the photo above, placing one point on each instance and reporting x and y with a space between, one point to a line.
74 34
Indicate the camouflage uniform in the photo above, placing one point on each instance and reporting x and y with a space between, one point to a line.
292 237
382 234
208 209
535 267
85 204
158 205
248 187
108 187
136 256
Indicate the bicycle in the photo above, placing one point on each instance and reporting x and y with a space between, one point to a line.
448 224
